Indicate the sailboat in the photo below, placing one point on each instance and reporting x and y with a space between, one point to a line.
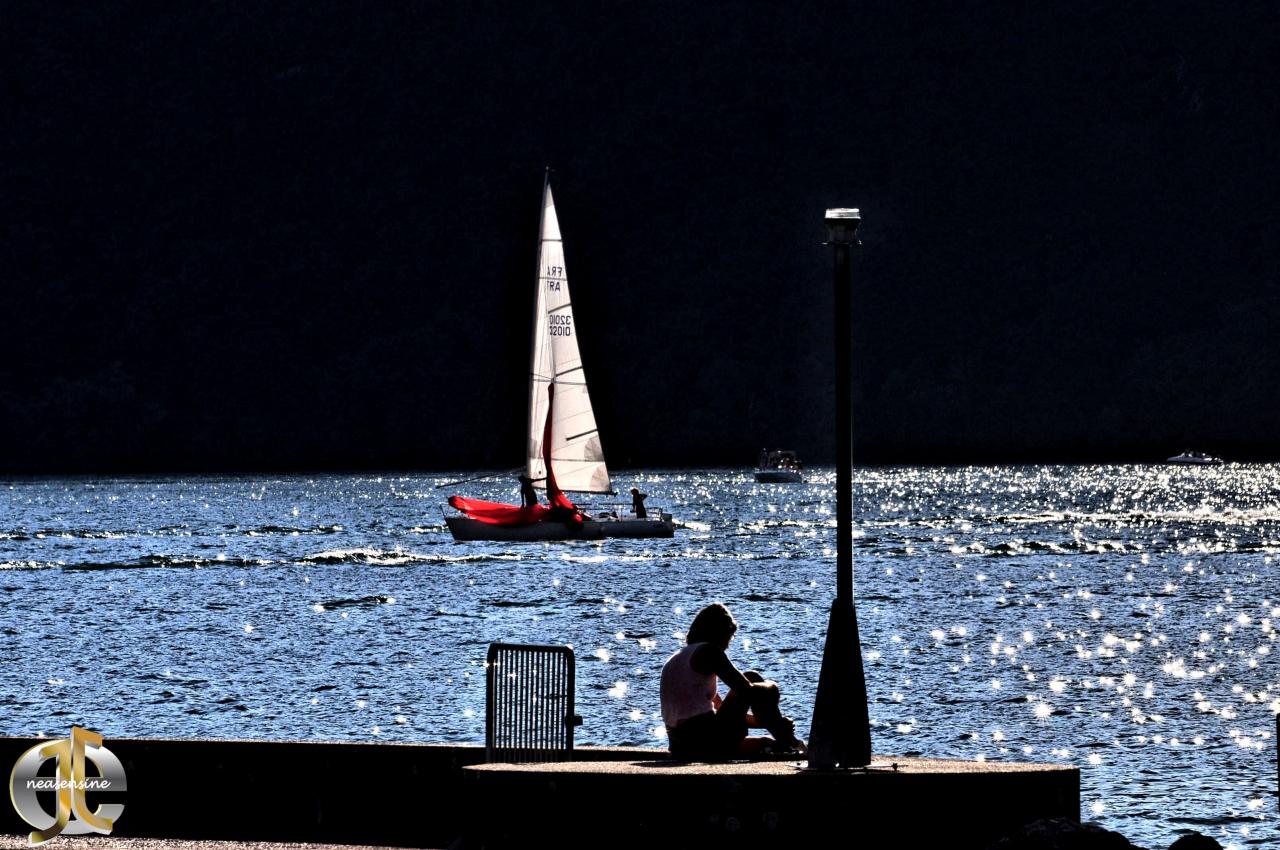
564 453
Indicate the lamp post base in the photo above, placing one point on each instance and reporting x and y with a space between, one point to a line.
841 732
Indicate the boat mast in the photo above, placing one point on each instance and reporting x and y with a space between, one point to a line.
538 296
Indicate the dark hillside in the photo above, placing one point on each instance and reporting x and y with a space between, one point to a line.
301 235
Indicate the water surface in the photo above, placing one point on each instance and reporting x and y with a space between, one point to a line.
1118 618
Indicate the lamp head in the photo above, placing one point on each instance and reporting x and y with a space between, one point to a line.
842 224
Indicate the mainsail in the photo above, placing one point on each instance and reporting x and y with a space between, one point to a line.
575 450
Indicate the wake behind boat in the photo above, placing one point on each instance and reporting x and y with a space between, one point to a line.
564 451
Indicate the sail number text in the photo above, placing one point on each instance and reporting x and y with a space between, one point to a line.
561 325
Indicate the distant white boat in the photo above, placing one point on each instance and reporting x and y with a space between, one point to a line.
563 451
779 467
1195 458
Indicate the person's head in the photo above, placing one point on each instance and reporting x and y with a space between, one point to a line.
714 625
635 491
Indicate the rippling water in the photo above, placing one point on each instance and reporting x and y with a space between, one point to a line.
1117 618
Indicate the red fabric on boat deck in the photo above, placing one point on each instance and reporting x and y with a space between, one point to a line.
499 513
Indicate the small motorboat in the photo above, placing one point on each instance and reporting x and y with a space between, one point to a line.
777 466
1195 458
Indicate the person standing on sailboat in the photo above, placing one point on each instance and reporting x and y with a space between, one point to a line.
528 496
637 503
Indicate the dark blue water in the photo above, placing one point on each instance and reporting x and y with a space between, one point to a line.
1121 619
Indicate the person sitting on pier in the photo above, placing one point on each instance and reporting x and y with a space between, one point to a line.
700 725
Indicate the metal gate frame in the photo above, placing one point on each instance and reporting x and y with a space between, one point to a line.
529 703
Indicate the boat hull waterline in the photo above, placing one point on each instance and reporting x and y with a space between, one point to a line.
778 476
466 529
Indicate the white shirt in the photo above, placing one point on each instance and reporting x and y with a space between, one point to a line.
684 691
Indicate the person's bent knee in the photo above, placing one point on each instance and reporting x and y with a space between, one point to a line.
766 693
753 676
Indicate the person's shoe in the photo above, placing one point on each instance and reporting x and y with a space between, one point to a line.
795 745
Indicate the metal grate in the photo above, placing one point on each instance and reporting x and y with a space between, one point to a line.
529 703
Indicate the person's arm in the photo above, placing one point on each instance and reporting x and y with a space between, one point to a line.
709 659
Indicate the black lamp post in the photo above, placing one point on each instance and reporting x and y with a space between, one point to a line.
841 733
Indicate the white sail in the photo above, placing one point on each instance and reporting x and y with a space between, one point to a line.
576 455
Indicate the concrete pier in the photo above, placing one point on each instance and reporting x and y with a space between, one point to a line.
403 795
919 802
438 795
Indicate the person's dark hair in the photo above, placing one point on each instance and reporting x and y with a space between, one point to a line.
713 624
